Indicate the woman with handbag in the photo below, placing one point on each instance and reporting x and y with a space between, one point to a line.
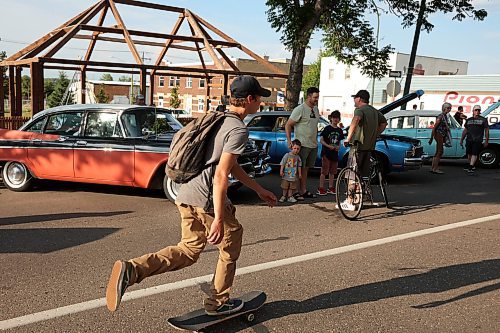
441 133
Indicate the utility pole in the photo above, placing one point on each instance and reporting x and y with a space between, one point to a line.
413 55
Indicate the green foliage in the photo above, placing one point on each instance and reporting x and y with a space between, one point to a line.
175 101
3 56
124 78
60 86
48 86
106 77
26 86
101 96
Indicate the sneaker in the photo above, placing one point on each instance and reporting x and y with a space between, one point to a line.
347 206
471 170
118 283
231 306
466 168
282 199
292 200
321 191
331 190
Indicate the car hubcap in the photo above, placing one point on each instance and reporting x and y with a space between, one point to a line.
16 174
487 158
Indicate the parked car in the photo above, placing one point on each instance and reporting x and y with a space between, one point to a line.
400 154
102 144
418 124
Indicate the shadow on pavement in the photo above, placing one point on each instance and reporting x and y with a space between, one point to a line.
434 281
48 240
55 217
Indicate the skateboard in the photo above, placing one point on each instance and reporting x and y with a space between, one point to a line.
198 320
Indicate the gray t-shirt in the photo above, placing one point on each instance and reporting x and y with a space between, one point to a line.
306 127
230 138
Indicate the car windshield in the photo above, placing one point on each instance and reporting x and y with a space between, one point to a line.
151 121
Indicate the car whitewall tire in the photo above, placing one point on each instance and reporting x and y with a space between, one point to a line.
16 176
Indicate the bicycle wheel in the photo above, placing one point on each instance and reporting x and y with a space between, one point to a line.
382 188
349 190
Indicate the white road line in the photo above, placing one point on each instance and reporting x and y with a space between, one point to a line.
89 305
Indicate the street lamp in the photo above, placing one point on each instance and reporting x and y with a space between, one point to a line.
376 46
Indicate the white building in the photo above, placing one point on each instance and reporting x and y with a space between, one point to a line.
339 81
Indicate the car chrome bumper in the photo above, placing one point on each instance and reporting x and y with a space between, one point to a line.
413 163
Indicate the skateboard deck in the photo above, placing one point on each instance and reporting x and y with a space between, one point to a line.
198 320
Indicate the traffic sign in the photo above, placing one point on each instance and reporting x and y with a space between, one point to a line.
395 73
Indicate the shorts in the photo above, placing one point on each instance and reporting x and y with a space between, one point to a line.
473 148
288 185
308 156
361 158
328 167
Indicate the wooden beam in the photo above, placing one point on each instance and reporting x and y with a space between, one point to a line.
74 30
150 5
126 34
194 23
12 90
136 42
46 37
169 41
90 69
93 40
222 53
226 84
160 68
261 60
200 55
142 83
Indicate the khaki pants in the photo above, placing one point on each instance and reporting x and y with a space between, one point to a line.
195 229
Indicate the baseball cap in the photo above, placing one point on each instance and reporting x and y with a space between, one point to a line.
363 94
245 85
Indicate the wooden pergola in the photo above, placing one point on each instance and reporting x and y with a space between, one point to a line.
40 55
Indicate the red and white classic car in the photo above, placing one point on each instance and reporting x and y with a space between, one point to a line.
102 144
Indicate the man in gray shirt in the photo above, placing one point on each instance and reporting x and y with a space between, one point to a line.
207 213
304 122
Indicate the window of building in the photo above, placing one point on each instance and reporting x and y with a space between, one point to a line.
189 82
174 81
201 104
348 73
330 74
202 83
161 81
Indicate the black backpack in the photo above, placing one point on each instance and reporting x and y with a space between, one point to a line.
187 151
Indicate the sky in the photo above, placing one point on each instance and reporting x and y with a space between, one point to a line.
24 21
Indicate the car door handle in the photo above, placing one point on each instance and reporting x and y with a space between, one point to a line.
81 143
37 140
281 140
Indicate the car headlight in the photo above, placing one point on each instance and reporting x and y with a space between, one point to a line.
410 153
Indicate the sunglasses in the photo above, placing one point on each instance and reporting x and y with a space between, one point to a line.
477 109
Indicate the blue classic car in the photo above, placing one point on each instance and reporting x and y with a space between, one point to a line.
418 124
400 154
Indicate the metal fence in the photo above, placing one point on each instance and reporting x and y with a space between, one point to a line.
12 122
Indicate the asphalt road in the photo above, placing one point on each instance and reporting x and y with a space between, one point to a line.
58 244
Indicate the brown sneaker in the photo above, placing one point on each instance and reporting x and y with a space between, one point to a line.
118 283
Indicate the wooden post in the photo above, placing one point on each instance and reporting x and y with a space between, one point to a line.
226 84
12 91
19 92
83 86
207 94
2 101
151 88
37 93
144 73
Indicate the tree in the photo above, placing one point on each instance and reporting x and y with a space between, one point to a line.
311 78
175 101
57 96
407 9
106 77
101 96
124 78
26 86
346 35
3 56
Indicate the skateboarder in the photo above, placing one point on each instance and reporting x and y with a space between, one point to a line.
206 212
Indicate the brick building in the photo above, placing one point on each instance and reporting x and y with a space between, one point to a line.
197 95
116 91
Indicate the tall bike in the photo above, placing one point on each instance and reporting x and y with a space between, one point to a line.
357 191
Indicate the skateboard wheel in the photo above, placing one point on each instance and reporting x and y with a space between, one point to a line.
250 317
